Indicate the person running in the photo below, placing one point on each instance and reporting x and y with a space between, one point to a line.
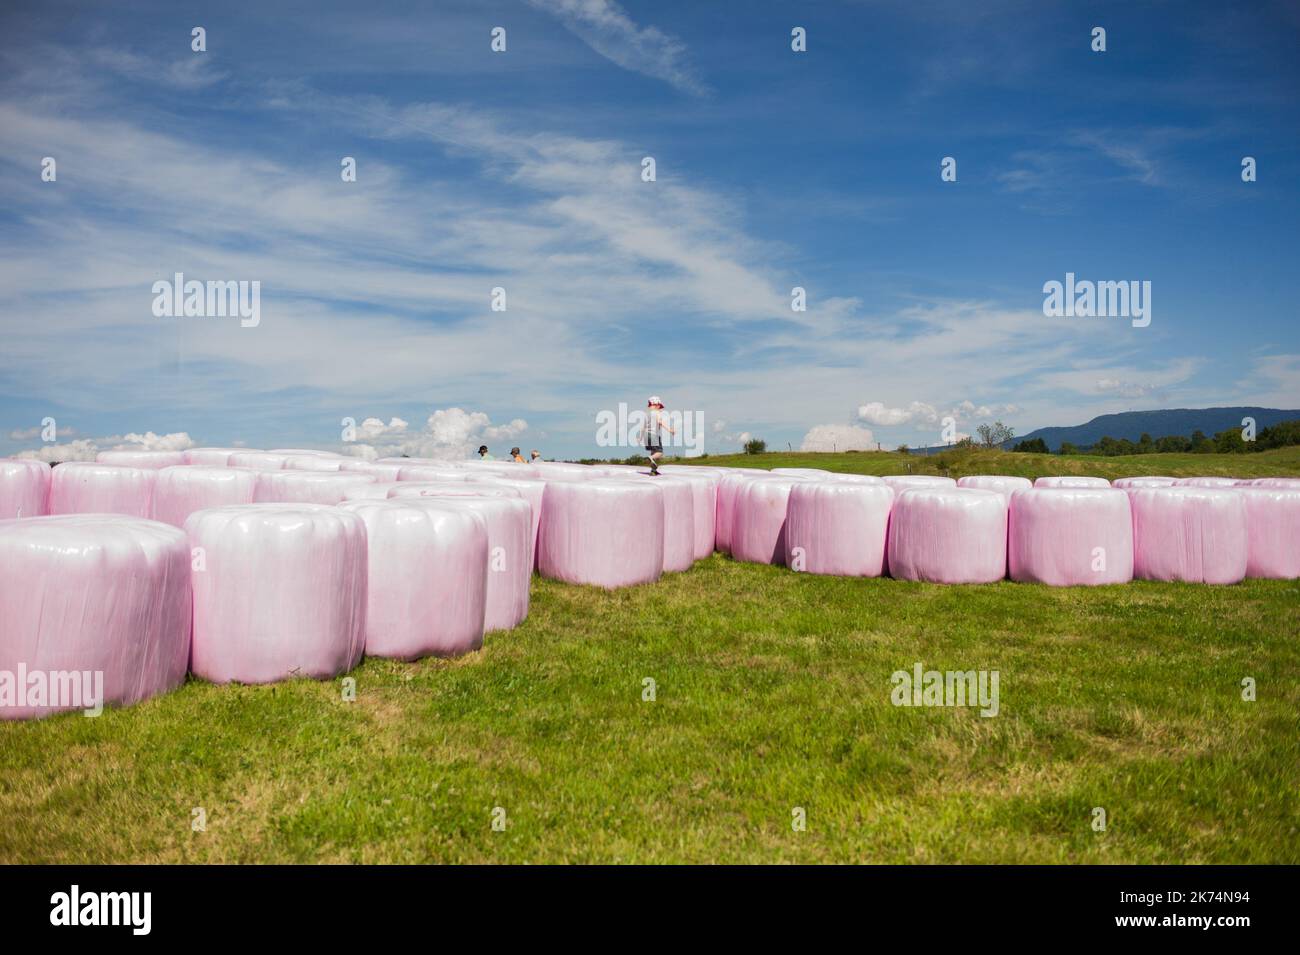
516 457
652 432
483 453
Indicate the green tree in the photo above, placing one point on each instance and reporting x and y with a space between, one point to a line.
755 446
1067 448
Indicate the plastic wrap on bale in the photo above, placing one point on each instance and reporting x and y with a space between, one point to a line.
80 487
948 535
306 487
1189 533
704 502
312 462
1125 483
606 533
181 491
381 472
531 490
376 491
1070 536
679 521
1206 482
1004 484
902 482
279 592
212 457
141 459
1271 482
424 472
258 460
101 599
758 520
405 489
728 487
838 527
510 569
24 488
427 578
1272 531
295 452
1071 480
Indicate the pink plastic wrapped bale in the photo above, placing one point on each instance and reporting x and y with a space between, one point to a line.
404 489
606 533
510 569
24 488
1206 482
95 610
80 487
1272 531
1271 482
550 469
704 500
279 592
838 527
427 578
728 487
948 535
532 491
212 457
141 459
424 472
181 491
312 462
1125 483
293 452
816 473
679 521
258 460
306 487
903 482
758 520
377 491
1071 480
1003 484
381 472
1189 533
1070 536
430 462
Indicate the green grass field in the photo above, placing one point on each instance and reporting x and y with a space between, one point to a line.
772 692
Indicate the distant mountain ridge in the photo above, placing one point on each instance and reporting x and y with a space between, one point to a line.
1172 421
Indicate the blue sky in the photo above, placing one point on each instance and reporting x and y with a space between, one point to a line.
522 170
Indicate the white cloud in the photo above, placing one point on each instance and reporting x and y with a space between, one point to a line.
85 449
450 433
838 437
606 28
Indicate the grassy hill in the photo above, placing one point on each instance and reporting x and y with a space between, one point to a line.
1279 462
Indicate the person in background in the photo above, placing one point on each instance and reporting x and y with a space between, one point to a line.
483 453
652 432
534 455
516 456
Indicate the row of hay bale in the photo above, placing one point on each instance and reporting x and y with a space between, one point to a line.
255 566
1058 530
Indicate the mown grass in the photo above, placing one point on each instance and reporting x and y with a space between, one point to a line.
772 692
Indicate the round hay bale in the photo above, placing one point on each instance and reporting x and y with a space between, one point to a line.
80 487
904 482
1003 484
1272 531
141 459
181 491
427 578
1189 533
258 460
758 519
838 527
606 533
1067 537
212 457
1125 483
509 559
279 592
1071 480
306 487
948 535
96 610
24 488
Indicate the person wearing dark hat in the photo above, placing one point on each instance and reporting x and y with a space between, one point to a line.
483 453
652 432
516 457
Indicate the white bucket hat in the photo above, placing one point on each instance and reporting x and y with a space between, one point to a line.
655 400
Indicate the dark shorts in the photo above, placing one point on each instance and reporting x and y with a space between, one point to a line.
655 448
